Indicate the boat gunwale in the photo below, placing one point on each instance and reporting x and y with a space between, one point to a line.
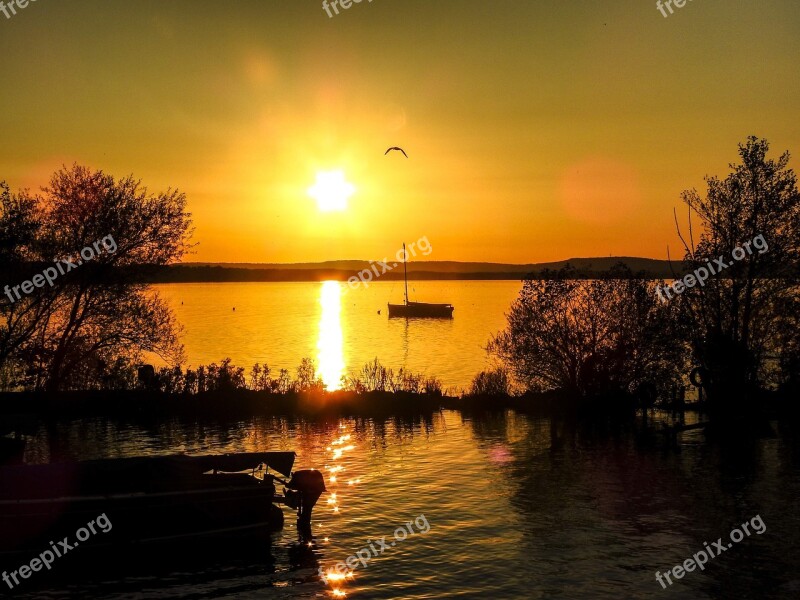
130 496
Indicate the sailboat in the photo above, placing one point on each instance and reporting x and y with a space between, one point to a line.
418 310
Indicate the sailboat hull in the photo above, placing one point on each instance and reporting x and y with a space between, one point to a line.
421 310
418 310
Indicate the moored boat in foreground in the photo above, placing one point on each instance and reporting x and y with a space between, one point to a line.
152 499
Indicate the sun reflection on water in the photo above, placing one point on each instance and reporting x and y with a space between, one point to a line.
333 578
330 347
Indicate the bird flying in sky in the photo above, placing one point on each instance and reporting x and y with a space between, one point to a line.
396 148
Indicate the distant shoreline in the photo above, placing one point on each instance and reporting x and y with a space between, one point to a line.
417 270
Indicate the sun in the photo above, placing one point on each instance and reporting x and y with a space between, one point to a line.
331 191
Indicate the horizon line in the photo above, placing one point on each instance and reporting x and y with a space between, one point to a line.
464 262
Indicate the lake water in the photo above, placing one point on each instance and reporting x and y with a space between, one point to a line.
513 512
281 323
510 513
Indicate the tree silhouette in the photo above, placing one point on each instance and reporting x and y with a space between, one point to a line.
743 317
95 315
19 222
590 337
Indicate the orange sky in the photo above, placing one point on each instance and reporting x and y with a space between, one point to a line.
536 130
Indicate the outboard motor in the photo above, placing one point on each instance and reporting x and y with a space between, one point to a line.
303 490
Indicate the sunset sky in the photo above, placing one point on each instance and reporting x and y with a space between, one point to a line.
536 130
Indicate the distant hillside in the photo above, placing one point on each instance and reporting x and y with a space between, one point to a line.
592 264
341 270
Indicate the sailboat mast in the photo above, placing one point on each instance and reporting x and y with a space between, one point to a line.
405 271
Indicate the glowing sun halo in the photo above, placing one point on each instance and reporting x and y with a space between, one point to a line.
331 191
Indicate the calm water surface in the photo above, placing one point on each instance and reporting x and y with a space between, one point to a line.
281 323
512 513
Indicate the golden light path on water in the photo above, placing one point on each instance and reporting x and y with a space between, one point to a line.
331 368
337 449
330 347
